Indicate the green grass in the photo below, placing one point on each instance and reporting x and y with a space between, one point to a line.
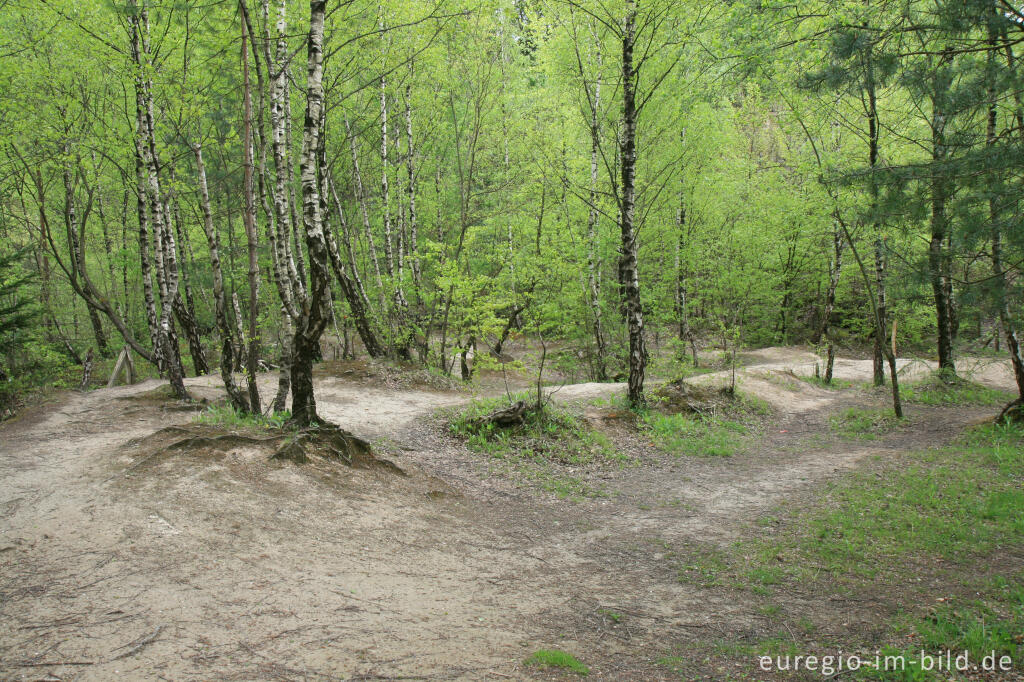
556 658
961 500
546 450
863 424
835 385
681 434
953 392
942 523
975 628
227 417
719 427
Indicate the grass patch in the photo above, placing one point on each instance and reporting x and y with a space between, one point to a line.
962 500
982 628
952 392
936 514
686 420
943 523
228 417
545 449
556 658
681 434
834 385
864 424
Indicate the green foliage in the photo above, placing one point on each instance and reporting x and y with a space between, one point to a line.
864 423
556 658
16 310
681 434
27 359
551 434
227 417
545 449
953 392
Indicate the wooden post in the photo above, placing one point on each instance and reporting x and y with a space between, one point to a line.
124 360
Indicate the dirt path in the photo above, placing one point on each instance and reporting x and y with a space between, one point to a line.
228 566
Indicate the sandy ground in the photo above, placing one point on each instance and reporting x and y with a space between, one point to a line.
117 563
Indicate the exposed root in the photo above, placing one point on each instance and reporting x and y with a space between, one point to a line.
681 397
325 441
1013 413
332 442
513 415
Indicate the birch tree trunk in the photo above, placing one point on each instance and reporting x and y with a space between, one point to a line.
144 257
628 261
351 287
286 272
593 283
361 196
682 302
385 194
227 360
314 317
163 231
249 219
410 170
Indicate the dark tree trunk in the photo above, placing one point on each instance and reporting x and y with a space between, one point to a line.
303 400
253 345
879 338
937 257
879 305
227 357
628 262
195 343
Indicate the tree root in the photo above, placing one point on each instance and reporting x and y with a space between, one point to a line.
332 442
1013 413
513 415
324 440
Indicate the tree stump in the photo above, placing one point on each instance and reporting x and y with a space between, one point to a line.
513 415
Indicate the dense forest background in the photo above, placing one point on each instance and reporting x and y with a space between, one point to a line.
234 186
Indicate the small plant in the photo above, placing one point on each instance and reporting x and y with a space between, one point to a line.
556 658
227 417
944 389
863 424
547 434
545 447
703 437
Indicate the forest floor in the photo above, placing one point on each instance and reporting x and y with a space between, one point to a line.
120 559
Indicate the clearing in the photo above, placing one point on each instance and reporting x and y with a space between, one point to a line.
120 559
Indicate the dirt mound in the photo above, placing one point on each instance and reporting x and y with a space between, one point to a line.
682 396
391 375
324 447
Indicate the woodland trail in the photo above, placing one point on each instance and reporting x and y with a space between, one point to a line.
229 566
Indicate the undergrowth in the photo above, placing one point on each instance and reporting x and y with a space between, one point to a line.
547 449
228 417
864 424
715 428
943 517
953 391
681 434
